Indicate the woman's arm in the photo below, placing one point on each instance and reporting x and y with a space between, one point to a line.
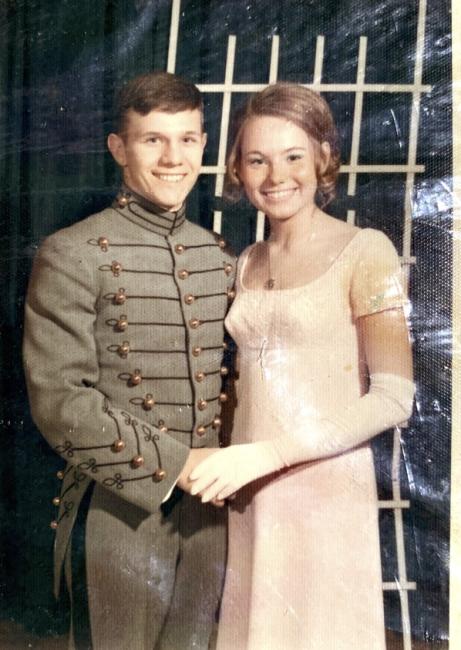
385 343
386 355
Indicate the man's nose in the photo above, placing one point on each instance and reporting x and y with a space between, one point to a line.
171 153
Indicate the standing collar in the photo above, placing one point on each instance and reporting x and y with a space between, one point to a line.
145 213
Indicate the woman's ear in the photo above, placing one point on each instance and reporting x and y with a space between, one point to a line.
325 154
116 146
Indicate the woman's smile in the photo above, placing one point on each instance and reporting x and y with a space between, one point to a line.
278 194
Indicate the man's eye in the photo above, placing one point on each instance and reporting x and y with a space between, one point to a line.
294 156
153 139
190 139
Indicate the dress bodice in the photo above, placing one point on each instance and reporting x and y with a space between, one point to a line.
299 347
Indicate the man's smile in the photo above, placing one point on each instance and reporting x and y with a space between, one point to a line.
170 178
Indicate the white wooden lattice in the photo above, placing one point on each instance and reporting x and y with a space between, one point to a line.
359 88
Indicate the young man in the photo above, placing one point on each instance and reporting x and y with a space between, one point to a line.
123 352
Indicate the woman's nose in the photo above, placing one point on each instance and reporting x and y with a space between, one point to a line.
277 173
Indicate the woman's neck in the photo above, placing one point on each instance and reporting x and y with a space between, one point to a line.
295 231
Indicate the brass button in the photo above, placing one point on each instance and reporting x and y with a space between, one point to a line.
137 461
103 243
183 274
118 445
228 268
122 323
194 323
163 428
216 422
122 200
179 248
231 294
54 525
202 404
116 268
224 371
223 397
123 349
158 475
148 402
189 299
60 474
197 351
199 375
56 501
135 378
201 430
225 345
120 297
222 243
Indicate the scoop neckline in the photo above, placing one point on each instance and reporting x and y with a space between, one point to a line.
341 253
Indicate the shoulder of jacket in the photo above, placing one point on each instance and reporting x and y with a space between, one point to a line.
80 236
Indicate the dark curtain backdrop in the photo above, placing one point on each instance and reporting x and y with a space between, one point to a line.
60 61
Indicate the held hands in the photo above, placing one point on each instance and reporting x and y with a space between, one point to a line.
224 471
196 456
227 470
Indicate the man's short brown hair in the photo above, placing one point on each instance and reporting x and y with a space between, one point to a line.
160 91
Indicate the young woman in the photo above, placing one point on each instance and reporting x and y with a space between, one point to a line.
325 364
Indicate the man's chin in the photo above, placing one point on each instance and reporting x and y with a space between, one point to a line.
162 200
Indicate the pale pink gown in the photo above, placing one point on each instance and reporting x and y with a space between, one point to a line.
304 569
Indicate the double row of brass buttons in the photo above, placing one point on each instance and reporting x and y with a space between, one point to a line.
197 350
135 378
180 248
216 423
183 274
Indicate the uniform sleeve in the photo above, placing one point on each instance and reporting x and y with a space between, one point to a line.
377 282
120 451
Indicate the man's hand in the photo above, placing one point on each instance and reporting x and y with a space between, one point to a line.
196 456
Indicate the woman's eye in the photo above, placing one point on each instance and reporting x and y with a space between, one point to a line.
255 162
293 157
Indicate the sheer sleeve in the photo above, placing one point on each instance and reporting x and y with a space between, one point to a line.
377 279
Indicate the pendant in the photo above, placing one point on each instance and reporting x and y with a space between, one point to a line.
270 284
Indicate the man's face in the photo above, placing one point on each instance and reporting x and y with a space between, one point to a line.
161 154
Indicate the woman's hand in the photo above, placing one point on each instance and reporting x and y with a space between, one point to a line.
196 456
223 473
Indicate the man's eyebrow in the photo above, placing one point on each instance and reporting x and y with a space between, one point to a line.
166 135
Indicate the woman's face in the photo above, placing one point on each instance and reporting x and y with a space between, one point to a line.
278 166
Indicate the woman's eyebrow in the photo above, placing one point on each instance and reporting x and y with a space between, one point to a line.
260 153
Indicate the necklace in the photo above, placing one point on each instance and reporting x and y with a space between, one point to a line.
270 282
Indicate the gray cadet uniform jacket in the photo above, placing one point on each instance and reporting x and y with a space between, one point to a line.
123 358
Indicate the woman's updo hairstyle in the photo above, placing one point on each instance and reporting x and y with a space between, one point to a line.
301 106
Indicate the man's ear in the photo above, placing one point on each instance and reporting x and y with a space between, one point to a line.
204 140
116 146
